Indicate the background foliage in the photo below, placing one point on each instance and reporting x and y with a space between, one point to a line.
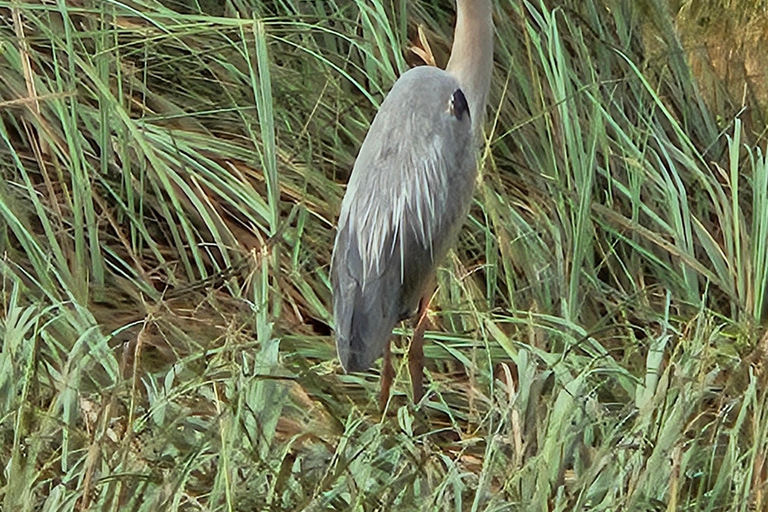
171 175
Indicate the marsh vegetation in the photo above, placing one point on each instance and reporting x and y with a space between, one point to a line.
171 174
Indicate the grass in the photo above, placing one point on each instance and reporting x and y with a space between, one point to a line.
172 172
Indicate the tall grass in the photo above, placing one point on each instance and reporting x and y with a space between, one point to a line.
172 171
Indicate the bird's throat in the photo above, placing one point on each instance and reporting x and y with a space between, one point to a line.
471 59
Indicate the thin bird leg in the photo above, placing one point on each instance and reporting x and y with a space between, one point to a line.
387 375
416 351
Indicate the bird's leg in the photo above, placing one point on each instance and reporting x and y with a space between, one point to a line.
416 362
416 351
387 374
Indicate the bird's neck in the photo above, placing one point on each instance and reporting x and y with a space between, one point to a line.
471 59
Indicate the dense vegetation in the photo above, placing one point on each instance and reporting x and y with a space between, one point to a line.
171 174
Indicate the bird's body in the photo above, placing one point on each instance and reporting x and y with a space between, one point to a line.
409 192
400 214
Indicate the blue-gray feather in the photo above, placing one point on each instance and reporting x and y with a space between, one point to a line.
406 199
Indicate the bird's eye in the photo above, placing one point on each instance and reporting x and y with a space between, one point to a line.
458 105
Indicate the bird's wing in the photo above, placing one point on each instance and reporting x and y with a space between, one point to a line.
408 194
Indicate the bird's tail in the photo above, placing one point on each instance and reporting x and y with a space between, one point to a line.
365 304
364 322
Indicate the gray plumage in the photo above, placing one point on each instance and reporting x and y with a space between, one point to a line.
407 197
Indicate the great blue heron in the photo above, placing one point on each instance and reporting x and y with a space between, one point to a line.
407 197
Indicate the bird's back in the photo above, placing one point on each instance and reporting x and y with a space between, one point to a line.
406 199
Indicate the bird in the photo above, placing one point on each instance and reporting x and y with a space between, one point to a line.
407 197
